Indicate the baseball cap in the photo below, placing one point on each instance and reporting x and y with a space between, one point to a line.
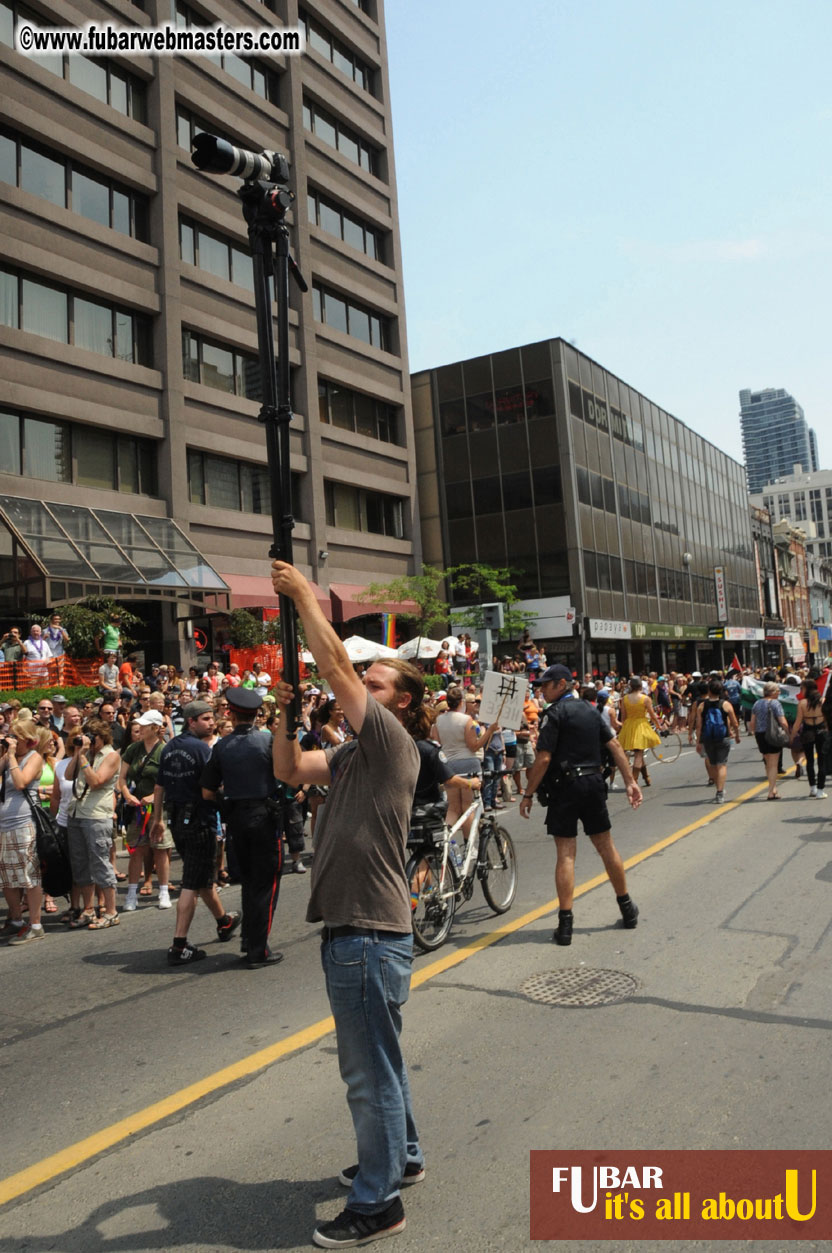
696 674
59 700
151 719
193 710
553 674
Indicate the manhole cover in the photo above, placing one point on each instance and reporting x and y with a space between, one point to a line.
580 987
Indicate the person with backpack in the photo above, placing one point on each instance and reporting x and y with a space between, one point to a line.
716 724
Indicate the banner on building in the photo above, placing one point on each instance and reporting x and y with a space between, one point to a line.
606 629
721 594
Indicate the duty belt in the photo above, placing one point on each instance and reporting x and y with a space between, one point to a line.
580 771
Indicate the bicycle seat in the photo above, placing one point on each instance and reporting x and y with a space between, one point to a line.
424 815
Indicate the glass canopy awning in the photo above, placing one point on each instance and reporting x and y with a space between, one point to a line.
52 553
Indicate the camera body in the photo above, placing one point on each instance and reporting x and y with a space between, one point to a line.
78 741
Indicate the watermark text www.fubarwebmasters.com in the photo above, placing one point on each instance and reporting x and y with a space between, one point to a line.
166 40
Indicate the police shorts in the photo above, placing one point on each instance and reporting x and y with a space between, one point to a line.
196 844
584 799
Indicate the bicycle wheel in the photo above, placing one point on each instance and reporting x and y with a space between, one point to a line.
433 903
668 751
497 869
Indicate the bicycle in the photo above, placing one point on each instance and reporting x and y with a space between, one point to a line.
670 748
441 875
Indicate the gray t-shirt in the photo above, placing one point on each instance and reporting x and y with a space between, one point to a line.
358 874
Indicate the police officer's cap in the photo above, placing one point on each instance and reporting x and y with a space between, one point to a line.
246 699
554 674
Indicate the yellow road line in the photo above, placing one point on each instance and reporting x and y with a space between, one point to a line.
83 1150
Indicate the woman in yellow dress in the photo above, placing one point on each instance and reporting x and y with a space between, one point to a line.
636 734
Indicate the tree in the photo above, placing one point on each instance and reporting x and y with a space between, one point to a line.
86 620
423 590
482 584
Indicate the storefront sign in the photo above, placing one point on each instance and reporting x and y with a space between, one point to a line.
824 632
605 629
748 635
716 633
721 594
666 631
795 645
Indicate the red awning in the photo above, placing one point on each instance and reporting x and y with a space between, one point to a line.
254 591
346 605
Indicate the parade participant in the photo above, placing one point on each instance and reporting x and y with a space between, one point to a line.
56 636
768 710
193 822
716 725
636 713
241 764
811 732
569 755
136 783
360 894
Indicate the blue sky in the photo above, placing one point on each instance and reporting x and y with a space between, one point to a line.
648 178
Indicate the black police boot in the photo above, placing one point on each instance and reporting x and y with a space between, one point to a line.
629 911
563 933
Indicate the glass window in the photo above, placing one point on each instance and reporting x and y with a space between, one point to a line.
335 311
330 219
93 326
89 76
353 233
44 311
10 443
196 480
517 491
128 464
242 272
8 160
121 212
9 313
325 130
365 415
250 386
42 176
124 347
90 198
360 324
218 367
222 488
46 451
7 25
121 97
186 243
213 254
348 146
316 304
93 457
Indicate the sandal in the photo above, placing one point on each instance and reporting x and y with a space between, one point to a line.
49 906
85 917
106 920
121 877
146 889
69 915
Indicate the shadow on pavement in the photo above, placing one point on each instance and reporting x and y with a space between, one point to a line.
206 1213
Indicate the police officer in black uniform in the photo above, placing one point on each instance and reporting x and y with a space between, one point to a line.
568 764
241 764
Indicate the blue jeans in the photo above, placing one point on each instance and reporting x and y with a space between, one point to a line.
367 982
491 760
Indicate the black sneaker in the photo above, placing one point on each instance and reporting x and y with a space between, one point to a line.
563 933
412 1174
629 914
350 1228
185 956
226 930
270 959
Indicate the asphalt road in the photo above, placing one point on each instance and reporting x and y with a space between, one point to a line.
722 1044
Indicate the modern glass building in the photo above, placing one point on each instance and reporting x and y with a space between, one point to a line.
128 338
775 436
806 500
602 503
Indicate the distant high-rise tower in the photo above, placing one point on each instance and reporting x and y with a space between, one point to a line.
775 436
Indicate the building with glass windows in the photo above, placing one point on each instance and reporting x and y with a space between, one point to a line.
806 500
775 436
127 325
613 515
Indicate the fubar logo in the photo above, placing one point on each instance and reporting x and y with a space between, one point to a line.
681 1195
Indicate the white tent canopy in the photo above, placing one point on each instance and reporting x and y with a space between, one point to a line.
427 648
359 649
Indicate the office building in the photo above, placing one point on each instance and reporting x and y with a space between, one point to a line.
131 456
806 500
612 513
775 436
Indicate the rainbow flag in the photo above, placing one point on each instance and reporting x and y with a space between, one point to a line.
388 629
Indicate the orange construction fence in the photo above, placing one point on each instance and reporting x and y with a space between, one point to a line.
20 676
270 657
